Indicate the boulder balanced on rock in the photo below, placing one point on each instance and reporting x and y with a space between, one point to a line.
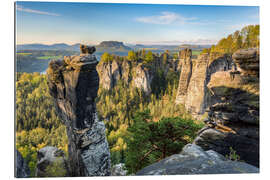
86 49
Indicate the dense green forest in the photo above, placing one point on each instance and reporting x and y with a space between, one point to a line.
37 124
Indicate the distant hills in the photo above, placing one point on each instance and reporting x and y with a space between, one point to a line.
59 46
109 46
112 46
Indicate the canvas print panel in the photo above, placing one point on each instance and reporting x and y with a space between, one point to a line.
108 89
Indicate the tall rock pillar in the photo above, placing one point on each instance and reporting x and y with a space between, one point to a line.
185 75
74 82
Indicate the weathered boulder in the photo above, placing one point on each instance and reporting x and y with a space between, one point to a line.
86 49
21 170
194 160
51 162
74 90
119 170
247 61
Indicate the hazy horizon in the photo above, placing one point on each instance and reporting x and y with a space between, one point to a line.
149 24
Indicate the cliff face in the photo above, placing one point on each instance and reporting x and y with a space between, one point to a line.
185 67
233 120
195 74
136 73
74 82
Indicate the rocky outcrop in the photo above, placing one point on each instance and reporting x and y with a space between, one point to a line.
194 160
136 74
73 83
195 74
233 120
247 61
142 78
119 170
196 97
51 163
109 73
185 75
21 170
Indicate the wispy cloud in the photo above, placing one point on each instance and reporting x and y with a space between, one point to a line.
21 8
165 18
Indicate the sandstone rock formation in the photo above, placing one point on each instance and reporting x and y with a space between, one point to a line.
109 73
185 75
135 73
142 78
74 83
194 160
234 117
50 158
138 75
195 74
21 170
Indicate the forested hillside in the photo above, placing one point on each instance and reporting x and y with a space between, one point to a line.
247 37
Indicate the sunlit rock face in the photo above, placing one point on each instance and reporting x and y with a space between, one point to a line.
233 117
195 74
74 82
194 160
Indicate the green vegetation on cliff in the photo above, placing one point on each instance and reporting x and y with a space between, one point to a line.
247 37
149 142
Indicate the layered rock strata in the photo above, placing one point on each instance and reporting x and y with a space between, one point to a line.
195 74
73 83
233 121
194 160
185 67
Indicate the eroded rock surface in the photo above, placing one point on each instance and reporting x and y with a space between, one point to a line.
185 75
194 160
51 162
233 120
21 170
74 82
195 74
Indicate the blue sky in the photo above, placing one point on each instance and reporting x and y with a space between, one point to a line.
91 23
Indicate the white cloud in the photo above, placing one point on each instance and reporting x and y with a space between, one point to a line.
165 18
21 8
